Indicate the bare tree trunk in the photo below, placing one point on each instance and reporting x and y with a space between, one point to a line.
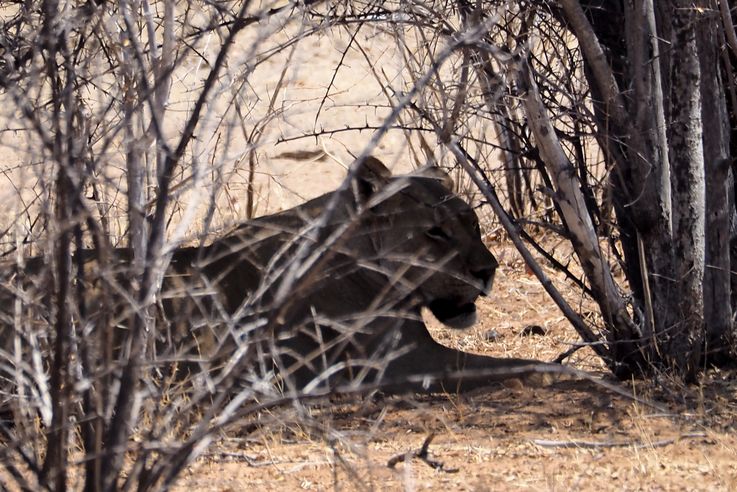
117 430
512 169
615 137
54 471
161 66
54 468
719 207
675 184
649 179
135 171
572 205
681 343
730 83
510 147
605 68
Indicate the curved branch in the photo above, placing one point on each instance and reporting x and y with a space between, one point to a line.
594 54
575 213
728 26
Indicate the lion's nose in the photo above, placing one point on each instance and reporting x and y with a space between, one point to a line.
486 277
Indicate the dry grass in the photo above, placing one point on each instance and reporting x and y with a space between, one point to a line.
489 436
563 436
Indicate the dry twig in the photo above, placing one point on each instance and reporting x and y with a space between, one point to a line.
421 454
616 444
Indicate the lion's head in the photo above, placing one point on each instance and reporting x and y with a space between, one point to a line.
428 240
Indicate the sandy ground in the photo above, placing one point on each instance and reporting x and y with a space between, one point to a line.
567 435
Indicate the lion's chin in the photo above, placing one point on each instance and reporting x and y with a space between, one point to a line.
454 315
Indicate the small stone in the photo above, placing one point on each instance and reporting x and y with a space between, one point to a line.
491 336
534 330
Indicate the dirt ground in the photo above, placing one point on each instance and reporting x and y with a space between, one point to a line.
562 436
567 435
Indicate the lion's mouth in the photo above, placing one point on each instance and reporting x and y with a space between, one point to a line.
454 313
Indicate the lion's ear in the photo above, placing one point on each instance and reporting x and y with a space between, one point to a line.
435 172
371 176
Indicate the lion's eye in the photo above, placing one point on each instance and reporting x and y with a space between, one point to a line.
437 233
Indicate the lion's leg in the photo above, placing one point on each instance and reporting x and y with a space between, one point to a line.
432 367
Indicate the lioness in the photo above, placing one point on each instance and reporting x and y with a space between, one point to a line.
330 293
391 246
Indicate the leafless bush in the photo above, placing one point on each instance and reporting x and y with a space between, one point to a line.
136 131
129 122
118 149
636 180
